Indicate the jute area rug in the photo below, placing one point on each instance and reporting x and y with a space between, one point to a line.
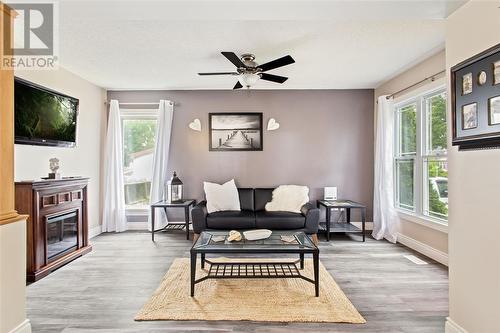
273 300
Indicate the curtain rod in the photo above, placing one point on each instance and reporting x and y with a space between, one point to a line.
145 103
432 78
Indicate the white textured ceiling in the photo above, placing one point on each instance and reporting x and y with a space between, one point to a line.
164 44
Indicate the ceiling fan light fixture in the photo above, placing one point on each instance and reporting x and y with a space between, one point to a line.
249 72
248 79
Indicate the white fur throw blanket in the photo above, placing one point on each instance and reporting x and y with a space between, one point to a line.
288 198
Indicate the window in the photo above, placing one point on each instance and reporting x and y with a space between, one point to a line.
139 133
421 168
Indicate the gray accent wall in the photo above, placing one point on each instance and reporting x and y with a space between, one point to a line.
325 139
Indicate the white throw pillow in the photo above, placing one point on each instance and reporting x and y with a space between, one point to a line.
221 197
288 198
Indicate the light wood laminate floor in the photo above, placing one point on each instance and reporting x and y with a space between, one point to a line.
102 291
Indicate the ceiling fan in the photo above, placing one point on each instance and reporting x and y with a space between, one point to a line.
249 72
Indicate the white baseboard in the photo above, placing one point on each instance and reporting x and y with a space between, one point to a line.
24 327
452 327
94 231
137 225
424 249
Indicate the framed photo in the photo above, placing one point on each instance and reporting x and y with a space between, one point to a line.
494 110
235 131
475 101
469 116
496 72
467 84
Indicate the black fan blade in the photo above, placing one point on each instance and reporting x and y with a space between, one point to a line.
283 61
220 73
273 78
237 85
234 59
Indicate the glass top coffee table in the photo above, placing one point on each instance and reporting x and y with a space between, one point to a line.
207 244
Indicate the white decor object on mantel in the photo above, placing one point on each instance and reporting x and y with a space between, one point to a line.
272 125
54 166
195 125
252 235
288 198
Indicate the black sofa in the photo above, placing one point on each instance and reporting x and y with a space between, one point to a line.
253 215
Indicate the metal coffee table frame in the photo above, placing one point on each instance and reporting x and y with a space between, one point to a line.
252 270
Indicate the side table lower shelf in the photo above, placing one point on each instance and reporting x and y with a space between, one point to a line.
339 227
346 227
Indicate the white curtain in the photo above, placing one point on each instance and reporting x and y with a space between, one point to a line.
385 219
113 218
160 160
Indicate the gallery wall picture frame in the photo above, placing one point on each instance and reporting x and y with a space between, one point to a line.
494 110
496 72
467 84
469 116
475 101
235 131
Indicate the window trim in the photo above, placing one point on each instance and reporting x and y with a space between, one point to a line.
138 114
424 220
421 156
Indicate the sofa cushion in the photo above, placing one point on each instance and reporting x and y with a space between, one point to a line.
246 198
262 197
279 220
221 197
228 220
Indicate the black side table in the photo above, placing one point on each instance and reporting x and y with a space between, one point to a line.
346 226
186 203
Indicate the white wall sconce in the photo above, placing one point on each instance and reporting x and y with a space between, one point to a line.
272 125
195 125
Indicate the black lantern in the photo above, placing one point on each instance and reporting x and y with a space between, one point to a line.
174 189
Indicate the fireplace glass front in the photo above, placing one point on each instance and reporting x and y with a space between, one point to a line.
62 235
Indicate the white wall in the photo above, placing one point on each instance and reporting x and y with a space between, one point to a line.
474 187
418 236
32 162
12 278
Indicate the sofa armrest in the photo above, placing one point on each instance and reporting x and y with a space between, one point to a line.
312 218
199 215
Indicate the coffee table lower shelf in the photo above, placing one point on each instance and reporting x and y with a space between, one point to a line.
232 270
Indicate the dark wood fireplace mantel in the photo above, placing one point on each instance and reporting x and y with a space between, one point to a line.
57 227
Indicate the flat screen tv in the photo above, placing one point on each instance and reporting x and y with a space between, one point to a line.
43 116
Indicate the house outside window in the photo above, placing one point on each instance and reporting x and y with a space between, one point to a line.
421 165
139 133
